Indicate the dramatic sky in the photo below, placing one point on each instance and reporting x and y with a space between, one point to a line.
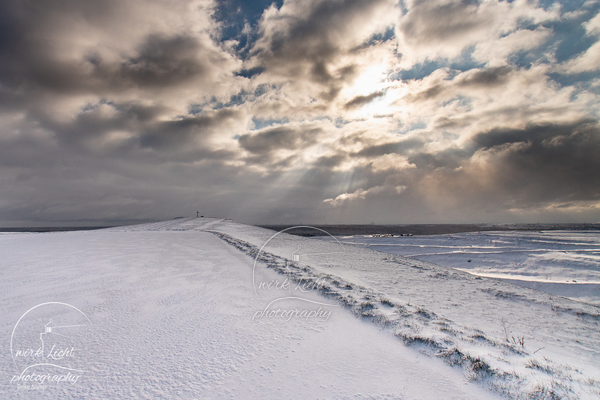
312 111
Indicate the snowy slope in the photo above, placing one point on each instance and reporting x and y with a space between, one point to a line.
463 319
180 309
171 315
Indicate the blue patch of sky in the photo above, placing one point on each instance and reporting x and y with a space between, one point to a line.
565 5
234 14
340 122
403 129
235 100
570 36
418 125
383 116
569 39
462 101
419 71
264 88
403 7
463 62
583 79
94 106
265 123
249 73
379 38
524 59
197 108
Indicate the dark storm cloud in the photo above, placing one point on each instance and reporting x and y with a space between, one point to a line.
328 162
94 131
559 155
538 135
103 47
401 147
561 162
359 101
93 100
427 94
164 61
70 52
28 46
540 164
281 138
488 77
186 134
28 152
448 159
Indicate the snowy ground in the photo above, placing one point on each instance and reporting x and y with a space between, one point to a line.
564 263
205 308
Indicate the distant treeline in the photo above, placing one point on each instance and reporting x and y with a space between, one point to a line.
423 229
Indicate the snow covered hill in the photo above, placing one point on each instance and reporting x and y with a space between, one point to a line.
207 308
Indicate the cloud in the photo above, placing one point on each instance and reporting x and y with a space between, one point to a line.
496 52
391 162
431 30
315 44
272 140
362 100
165 61
361 194
485 78
124 110
592 27
393 147
72 51
533 166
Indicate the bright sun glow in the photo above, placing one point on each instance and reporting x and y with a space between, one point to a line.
372 80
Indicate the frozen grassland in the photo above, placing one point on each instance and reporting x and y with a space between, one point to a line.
563 263
199 308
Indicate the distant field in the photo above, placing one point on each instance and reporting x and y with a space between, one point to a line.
559 262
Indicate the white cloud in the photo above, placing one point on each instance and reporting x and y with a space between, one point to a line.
496 51
361 194
592 27
443 28
392 162
588 61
